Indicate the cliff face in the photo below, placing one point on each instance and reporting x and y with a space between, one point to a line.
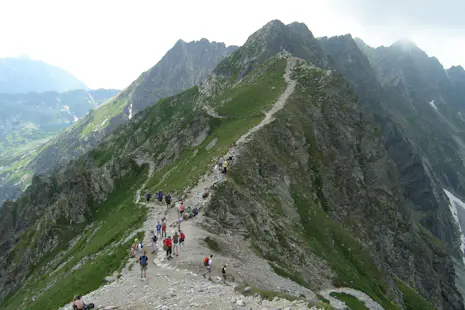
317 180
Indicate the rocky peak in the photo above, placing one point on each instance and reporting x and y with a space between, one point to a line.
268 41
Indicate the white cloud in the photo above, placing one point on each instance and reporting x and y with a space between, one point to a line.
109 43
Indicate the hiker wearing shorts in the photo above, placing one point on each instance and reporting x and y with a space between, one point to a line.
176 244
143 265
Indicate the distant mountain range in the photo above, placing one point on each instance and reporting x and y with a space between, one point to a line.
22 75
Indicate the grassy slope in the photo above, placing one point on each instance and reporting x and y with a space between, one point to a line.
352 302
107 228
241 112
242 108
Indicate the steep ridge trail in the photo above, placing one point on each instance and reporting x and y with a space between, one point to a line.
177 283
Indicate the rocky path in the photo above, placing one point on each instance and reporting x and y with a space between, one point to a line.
337 304
178 283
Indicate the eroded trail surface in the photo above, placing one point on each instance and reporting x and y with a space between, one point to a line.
178 283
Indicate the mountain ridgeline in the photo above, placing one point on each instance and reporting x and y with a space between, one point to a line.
23 75
344 186
184 66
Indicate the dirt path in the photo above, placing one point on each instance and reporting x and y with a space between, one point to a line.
337 304
177 283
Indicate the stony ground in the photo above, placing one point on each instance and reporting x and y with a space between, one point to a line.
178 283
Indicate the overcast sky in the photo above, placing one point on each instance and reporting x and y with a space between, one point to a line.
109 43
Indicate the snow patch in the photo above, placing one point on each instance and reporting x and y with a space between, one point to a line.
433 105
454 206
104 121
130 111
460 116
91 98
76 118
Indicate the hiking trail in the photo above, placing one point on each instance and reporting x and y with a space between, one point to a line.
178 283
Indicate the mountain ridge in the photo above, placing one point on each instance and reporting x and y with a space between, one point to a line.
336 190
20 75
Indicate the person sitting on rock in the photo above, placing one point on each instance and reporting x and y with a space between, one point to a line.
78 303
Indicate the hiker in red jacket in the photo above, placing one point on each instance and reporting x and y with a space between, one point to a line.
181 238
169 244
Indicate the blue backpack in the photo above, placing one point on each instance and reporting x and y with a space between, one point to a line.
143 260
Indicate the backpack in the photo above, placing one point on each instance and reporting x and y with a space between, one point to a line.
175 239
182 236
143 260
154 238
205 261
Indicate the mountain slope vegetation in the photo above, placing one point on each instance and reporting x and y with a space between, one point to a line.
333 189
28 121
184 66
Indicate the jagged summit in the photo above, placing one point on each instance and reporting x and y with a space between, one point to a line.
317 195
268 41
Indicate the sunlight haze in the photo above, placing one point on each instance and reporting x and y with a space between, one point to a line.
110 43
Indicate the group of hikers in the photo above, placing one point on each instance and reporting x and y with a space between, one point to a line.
159 196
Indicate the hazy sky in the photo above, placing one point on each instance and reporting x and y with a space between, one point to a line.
109 43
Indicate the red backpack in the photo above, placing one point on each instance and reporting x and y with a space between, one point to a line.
205 261
182 236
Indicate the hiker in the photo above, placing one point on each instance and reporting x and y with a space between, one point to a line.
163 228
148 196
168 200
160 196
207 262
195 211
181 208
143 265
154 241
179 222
176 244
181 238
158 229
205 193
225 167
223 272
168 245
133 248
78 303
139 247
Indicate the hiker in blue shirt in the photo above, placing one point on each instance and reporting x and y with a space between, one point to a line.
143 259
158 229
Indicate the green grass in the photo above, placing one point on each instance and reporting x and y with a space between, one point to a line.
212 244
113 220
287 274
242 108
352 302
413 300
106 111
